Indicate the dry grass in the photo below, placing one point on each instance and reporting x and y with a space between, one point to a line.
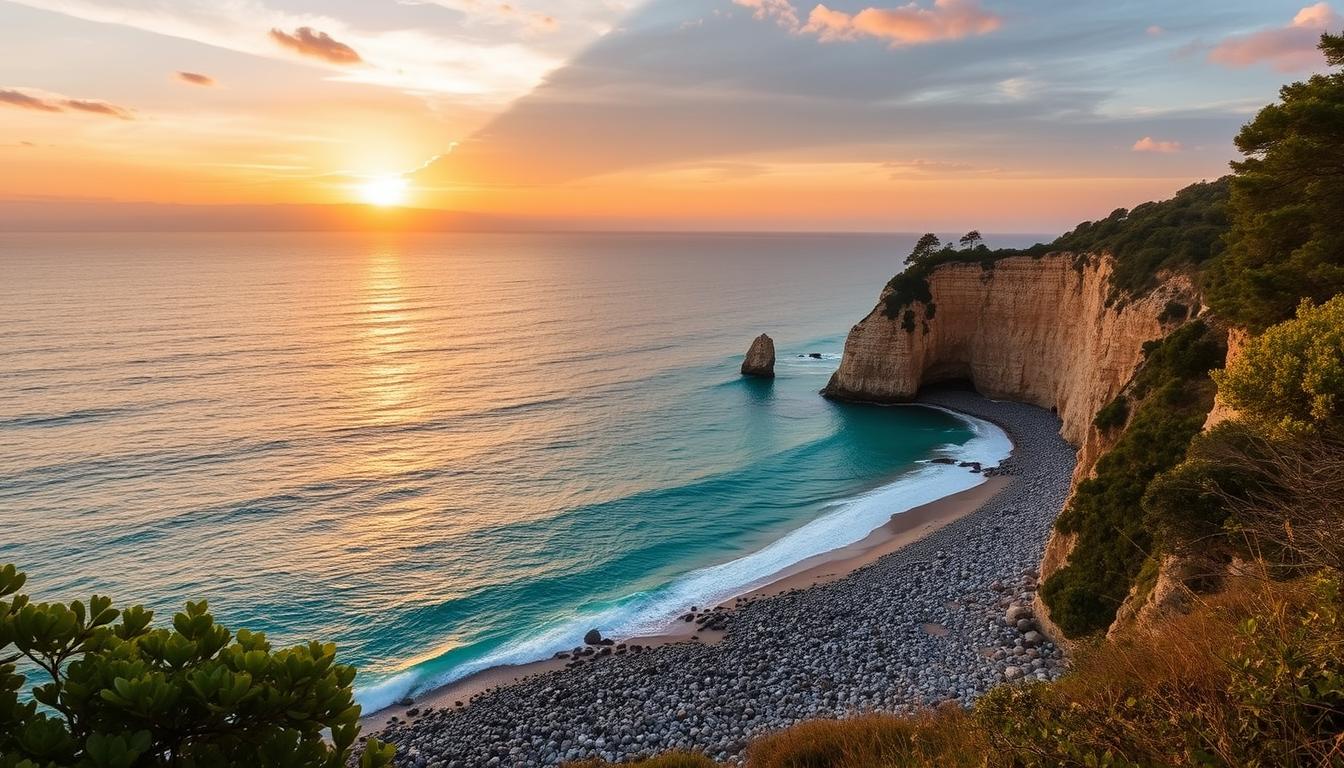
945 738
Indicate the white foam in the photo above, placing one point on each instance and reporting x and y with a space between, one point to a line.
841 523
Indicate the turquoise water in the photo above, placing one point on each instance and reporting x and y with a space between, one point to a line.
442 452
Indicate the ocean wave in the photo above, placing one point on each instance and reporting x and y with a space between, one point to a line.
841 523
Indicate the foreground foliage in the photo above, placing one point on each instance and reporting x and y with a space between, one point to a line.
120 693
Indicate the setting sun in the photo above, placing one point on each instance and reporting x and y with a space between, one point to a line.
385 191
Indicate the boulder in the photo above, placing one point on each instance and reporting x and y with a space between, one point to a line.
760 360
593 637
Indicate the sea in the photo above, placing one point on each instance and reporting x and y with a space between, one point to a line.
443 452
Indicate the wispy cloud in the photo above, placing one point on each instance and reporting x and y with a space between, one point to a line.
397 48
909 24
1149 144
781 11
1288 48
310 42
41 102
24 101
195 78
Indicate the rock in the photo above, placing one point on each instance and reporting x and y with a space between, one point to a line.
1016 613
943 460
815 355
593 637
1033 638
405 701
1012 673
760 360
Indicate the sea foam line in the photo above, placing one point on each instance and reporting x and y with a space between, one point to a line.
841 523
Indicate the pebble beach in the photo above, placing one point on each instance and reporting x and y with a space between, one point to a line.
946 617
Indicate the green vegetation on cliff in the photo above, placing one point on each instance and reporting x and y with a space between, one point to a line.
1174 394
1183 233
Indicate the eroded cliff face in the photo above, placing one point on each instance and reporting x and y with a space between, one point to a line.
1033 330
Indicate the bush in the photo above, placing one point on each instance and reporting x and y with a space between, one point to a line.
122 694
1113 415
1291 377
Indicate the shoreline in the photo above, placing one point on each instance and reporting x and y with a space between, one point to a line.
944 618
900 530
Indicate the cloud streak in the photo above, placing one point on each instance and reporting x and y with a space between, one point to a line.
195 78
1287 49
56 103
909 24
1149 144
310 42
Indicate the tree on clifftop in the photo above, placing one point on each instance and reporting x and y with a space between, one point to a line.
1287 206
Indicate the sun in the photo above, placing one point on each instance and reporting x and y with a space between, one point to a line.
384 191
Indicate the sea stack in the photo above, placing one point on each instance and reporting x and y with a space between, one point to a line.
760 358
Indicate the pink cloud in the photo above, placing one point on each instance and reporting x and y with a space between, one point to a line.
1287 49
320 45
57 103
1149 144
195 78
908 24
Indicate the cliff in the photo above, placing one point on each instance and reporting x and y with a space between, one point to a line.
1037 330
1031 329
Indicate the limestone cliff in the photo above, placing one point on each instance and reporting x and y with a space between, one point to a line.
1032 329
1038 330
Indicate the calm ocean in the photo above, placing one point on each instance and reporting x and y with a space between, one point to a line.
441 451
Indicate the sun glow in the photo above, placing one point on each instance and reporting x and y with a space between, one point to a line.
384 191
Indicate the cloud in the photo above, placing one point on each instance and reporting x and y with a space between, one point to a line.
195 78
908 24
1287 49
311 42
1156 30
782 11
1149 144
58 103
24 101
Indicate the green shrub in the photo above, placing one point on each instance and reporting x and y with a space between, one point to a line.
1113 415
1106 511
122 694
1291 377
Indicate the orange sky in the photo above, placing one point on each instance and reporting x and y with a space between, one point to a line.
714 114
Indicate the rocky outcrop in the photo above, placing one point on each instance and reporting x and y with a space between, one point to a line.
760 360
1038 330
1236 344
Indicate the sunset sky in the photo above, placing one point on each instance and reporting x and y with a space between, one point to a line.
1007 115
